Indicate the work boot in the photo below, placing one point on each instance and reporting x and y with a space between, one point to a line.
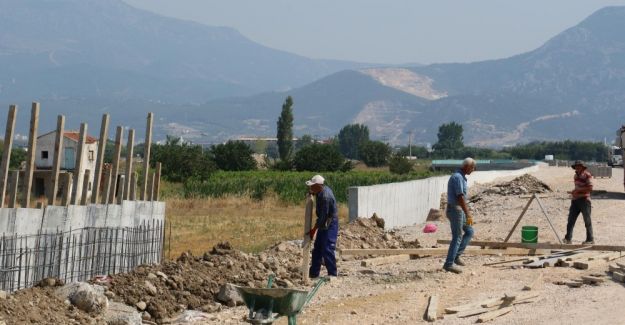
566 241
453 269
458 261
589 242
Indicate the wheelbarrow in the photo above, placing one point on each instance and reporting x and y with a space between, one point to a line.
268 304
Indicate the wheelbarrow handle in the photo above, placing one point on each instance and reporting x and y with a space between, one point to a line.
312 292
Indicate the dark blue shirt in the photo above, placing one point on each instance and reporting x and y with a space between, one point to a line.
457 185
326 207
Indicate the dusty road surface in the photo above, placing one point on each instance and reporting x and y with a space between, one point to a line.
397 293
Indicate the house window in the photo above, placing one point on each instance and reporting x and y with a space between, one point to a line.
91 155
44 154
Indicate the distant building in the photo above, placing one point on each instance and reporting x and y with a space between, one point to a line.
44 160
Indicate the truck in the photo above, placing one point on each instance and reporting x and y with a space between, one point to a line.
615 156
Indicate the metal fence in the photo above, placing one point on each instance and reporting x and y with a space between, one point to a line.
77 254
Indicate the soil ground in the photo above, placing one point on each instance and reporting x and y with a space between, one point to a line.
397 293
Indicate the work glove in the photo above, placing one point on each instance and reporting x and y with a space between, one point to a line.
469 220
312 232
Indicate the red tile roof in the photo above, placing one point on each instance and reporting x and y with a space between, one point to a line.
73 135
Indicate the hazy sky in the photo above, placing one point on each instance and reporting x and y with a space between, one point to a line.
389 31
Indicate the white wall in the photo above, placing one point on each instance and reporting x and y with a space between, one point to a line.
408 203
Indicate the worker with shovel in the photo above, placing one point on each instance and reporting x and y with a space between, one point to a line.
326 227
460 218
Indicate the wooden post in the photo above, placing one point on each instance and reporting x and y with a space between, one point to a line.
133 187
306 243
157 182
56 165
129 155
107 187
519 218
76 189
31 155
67 177
6 154
85 187
150 193
120 193
15 175
115 168
146 156
99 163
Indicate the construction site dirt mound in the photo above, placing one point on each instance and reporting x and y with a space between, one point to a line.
369 233
193 282
41 306
524 184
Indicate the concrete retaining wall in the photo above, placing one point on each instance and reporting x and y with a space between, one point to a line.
22 221
408 203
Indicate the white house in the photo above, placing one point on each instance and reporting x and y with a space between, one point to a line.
44 159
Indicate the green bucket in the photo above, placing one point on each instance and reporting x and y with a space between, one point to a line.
529 234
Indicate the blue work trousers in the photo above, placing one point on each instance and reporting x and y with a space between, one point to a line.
458 223
323 250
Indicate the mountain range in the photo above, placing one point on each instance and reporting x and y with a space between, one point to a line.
86 57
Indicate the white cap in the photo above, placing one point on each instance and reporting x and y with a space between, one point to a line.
317 179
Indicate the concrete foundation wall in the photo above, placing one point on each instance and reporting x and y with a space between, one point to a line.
408 203
22 221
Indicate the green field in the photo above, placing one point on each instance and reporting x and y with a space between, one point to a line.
289 187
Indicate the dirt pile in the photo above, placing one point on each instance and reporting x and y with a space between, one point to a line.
369 233
41 306
194 282
524 184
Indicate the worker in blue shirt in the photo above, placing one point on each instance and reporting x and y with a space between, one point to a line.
460 218
326 227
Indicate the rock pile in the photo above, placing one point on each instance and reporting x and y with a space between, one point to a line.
369 233
525 184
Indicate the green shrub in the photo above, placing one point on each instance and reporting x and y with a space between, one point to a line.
399 165
318 158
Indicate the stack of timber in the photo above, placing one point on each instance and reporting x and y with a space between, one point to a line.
618 271
492 308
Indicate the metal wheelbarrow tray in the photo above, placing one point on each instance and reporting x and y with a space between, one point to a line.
263 303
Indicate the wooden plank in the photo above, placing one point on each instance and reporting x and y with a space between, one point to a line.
493 314
618 276
430 251
14 189
573 284
107 186
475 311
85 187
120 194
385 260
129 158
584 265
30 155
80 151
119 133
57 159
493 244
146 156
157 181
505 262
519 218
470 306
494 303
538 280
592 279
99 163
431 313
521 295
6 154
555 232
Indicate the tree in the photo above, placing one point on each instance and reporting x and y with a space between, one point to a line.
374 153
398 164
233 156
318 158
181 161
351 137
303 141
450 140
416 151
285 130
